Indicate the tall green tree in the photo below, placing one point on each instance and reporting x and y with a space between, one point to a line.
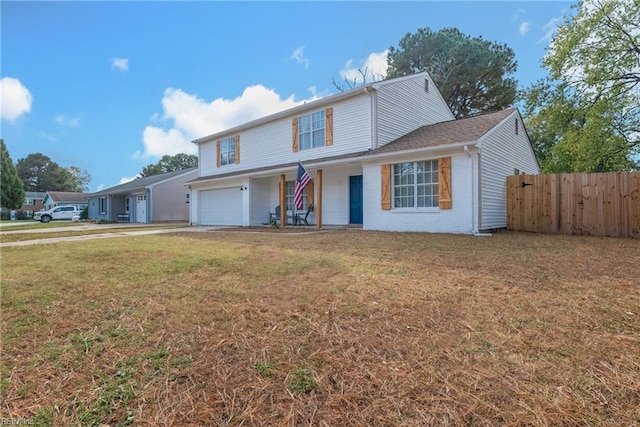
474 75
81 178
585 115
11 187
170 164
40 173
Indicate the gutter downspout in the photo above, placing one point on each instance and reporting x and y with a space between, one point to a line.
475 195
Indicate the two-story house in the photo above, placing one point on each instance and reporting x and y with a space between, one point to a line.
388 155
32 203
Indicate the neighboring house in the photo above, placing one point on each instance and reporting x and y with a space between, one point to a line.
387 155
157 198
32 203
53 199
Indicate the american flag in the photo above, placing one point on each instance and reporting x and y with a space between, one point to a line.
301 182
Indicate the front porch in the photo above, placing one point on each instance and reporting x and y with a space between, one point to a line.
333 197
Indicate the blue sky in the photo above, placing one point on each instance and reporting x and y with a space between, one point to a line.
111 87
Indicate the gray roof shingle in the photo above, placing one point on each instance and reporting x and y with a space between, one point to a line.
140 183
468 129
67 197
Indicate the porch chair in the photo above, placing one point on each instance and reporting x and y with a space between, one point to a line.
303 216
275 216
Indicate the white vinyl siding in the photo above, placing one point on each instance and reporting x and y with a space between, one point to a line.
405 106
270 143
501 152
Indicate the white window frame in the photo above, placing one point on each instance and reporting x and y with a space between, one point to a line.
289 196
311 131
102 205
413 190
228 151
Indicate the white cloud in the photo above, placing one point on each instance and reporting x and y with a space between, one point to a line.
524 28
72 122
121 64
15 99
189 117
123 180
298 56
126 179
158 142
375 67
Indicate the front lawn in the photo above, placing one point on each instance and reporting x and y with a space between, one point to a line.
341 328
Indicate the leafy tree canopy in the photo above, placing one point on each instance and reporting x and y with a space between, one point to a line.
39 173
473 74
585 116
11 189
170 164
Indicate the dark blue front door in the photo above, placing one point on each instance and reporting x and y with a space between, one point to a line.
355 199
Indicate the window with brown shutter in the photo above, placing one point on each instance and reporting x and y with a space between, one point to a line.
294 134
328 126
237 149
309 190
227 151
385 196
312 130
417 185
444 182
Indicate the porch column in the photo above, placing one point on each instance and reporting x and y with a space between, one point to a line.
319 199
283 206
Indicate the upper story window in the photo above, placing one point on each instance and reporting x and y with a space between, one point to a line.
311 131
228 151
415 184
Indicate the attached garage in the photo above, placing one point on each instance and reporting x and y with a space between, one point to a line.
220 207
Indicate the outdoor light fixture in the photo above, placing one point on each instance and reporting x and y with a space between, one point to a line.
243 187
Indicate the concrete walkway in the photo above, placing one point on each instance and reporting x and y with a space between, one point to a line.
101 232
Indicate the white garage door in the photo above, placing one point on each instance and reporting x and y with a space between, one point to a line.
221 207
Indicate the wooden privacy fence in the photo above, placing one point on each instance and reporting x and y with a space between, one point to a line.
600 204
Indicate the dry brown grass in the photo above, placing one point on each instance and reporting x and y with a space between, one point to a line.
344 328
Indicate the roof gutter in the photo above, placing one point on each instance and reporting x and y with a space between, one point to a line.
444 147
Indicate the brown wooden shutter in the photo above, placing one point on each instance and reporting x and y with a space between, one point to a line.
444 182
294 134
385 197
309 193
237 144
328 126
218 152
